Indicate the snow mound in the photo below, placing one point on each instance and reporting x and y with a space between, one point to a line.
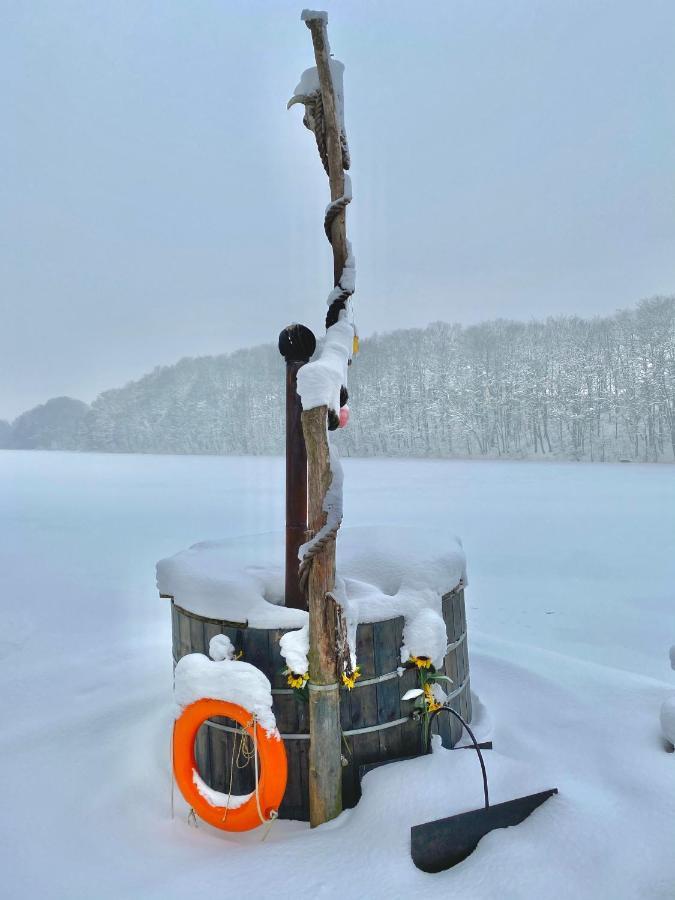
240 580
218 798
221 647
384 570
197 677
667 719
294 646
425 635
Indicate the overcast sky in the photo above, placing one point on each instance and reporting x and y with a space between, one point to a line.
511 159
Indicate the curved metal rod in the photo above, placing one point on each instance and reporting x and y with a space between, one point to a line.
474 741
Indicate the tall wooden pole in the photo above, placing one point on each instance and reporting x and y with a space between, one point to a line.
325 767
336 175
325 758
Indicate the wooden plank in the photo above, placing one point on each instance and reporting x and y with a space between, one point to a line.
285 707
351 787
364 706
460 662
223 756
450 666
463 711
456 602
450 728
197 637
302 752
365 653
277 663
203 752
345 709
243 781
256 649
388 710
467 699
386 645
302 710
456 725
184 637
175 636
411 737
410 734
291 805
363 701
443 726
219 756
447 606
462 609
387 655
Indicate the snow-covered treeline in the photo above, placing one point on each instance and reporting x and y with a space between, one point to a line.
600 389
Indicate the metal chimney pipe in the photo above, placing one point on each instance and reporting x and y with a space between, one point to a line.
296 345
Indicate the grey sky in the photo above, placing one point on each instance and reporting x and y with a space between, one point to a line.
511 159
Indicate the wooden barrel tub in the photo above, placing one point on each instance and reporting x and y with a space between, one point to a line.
376 721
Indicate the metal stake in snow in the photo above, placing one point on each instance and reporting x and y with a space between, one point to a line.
322 386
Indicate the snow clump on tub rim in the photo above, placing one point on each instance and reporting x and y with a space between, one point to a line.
197 677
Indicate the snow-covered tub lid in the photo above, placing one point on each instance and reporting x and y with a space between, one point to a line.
382 572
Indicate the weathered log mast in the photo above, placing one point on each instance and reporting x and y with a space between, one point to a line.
325 622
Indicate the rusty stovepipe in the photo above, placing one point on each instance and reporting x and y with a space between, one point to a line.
296 345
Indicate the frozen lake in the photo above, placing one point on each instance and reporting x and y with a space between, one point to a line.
558 553
570 613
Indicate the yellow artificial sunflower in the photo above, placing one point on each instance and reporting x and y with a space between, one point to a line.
422 662
296 681
432 703
350 680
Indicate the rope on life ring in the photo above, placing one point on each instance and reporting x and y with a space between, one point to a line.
263 804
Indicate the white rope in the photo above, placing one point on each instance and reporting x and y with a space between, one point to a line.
456 643
273 814
319 688
388 676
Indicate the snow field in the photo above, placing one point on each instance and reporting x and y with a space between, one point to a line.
570 621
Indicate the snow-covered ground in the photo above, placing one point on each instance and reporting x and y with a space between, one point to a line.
572 571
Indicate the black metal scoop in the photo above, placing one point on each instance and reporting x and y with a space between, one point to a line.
439 845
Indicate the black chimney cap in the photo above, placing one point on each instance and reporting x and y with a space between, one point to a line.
297 343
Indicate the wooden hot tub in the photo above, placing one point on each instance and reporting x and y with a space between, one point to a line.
377 724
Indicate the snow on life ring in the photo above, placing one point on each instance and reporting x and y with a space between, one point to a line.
242 814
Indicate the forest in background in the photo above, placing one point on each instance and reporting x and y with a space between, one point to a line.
599 389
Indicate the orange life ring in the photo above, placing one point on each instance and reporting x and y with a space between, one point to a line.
273 767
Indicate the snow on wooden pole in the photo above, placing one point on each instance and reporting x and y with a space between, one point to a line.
326 625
